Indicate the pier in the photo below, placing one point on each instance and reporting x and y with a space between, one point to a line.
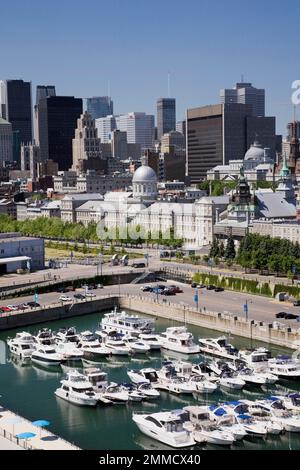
38 438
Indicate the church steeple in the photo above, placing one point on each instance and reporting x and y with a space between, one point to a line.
285 186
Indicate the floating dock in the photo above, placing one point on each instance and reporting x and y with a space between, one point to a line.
39 438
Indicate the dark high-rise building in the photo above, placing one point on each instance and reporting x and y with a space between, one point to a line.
100 106
42 91
166 116
57 123
15 107
245 93
223 132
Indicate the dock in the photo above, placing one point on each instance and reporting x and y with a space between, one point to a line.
40 438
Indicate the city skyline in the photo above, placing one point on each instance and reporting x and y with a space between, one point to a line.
137 51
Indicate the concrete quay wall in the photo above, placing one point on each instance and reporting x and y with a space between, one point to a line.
225 323
56 312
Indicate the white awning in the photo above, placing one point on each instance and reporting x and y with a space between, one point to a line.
14 259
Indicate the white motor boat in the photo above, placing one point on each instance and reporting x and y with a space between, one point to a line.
256 359
285 367
227 422
177 338
133 393
151 339
116 393
148 391
165 427
23 345
280 414
69 351
76 389
253 376
97 379
218 347
114 342
147 375
291 402
264 416
203 370
91 347
170 381
45 337
203 428
47 356
67 335
125 324
136 345
251 425
228 378
202 385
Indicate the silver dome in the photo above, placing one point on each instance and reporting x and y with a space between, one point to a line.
255 152
144 174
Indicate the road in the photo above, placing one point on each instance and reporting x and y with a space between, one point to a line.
259 308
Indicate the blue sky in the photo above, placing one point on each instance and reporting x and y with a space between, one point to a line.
133 44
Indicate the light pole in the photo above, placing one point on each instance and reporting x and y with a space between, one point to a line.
246 308
196 299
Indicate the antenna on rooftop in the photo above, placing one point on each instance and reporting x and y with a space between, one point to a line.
169 85
242 78
108 88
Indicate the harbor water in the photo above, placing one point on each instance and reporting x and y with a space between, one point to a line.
28 390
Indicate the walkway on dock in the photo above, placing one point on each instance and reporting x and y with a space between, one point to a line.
12 424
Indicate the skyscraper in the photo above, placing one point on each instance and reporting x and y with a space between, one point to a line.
105 126
15 107
6 142
166 116
86 144
57 123
42 91
222 132
139 128
100 106
245 93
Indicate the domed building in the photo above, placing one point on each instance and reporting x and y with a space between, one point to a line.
256 155
144 183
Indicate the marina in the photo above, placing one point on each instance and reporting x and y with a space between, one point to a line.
91 427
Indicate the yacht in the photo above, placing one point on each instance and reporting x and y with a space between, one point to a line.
250 377
69 350
170 381
204 428
147 375
218 347
227 377
115 343
264 416
165 427
77 389
201 385
116 393
203 370
45 337
178 339
151 339
67 335
91 347
23 345
251 425
227 422
133 393
280 414
256 359
136 345
291 401
285 367
47 356
97 379
253 376
126 324
149 392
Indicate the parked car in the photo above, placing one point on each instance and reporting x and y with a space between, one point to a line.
138 265
161 286
210 287
100 286
79 296
291 316
33 304
296 303
157 290
194 285
5 309
146 288
200 286
61 290
219 289
89 294
280 314
168 291
13 307
64 298
176 289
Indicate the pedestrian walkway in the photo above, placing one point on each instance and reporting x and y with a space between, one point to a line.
17 432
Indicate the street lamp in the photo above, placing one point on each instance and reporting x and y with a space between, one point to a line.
246 307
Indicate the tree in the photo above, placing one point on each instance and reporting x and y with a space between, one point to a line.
229 253
214 249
